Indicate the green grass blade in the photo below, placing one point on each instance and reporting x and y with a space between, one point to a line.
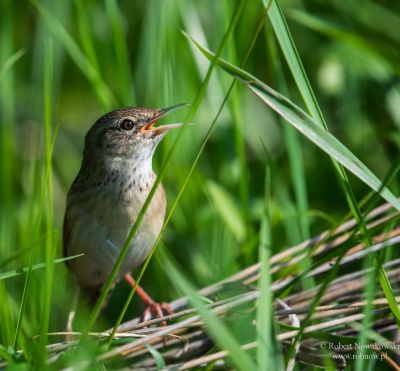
293 144
85 33
227 209
92 74
219 331
238 122
298 226
299 183
266 348
125 80
289 50
23 303
8 154
50 241
9 63
369 294
12 258
160 363
19 271
387 289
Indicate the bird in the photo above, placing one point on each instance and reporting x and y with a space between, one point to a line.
104 200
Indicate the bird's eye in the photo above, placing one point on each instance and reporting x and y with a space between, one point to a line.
127 124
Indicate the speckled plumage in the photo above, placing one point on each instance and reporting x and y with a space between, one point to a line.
112 185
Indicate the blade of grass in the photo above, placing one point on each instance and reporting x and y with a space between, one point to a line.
228 210
267 356
8 168
9 63
85 33
288 209
50 240
289 50
298 226
23 303
160 363
121 52
6 315
104 94
240 149
12 258
192 25
19 271
220 332
369 294
293 145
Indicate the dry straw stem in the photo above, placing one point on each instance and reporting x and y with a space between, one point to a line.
281 337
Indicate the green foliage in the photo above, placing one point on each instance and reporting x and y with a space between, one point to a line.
241 183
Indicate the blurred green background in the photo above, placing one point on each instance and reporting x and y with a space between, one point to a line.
65 63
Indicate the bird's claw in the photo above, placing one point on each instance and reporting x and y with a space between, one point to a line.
157 310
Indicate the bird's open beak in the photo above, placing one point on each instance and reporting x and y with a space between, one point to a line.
149 126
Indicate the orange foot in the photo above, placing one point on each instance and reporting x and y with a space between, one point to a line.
153 309
157 310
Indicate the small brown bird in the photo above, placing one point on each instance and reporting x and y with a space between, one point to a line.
106 197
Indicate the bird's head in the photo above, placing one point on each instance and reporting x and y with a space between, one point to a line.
128 133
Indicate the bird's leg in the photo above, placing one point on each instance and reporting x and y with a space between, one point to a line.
152 308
